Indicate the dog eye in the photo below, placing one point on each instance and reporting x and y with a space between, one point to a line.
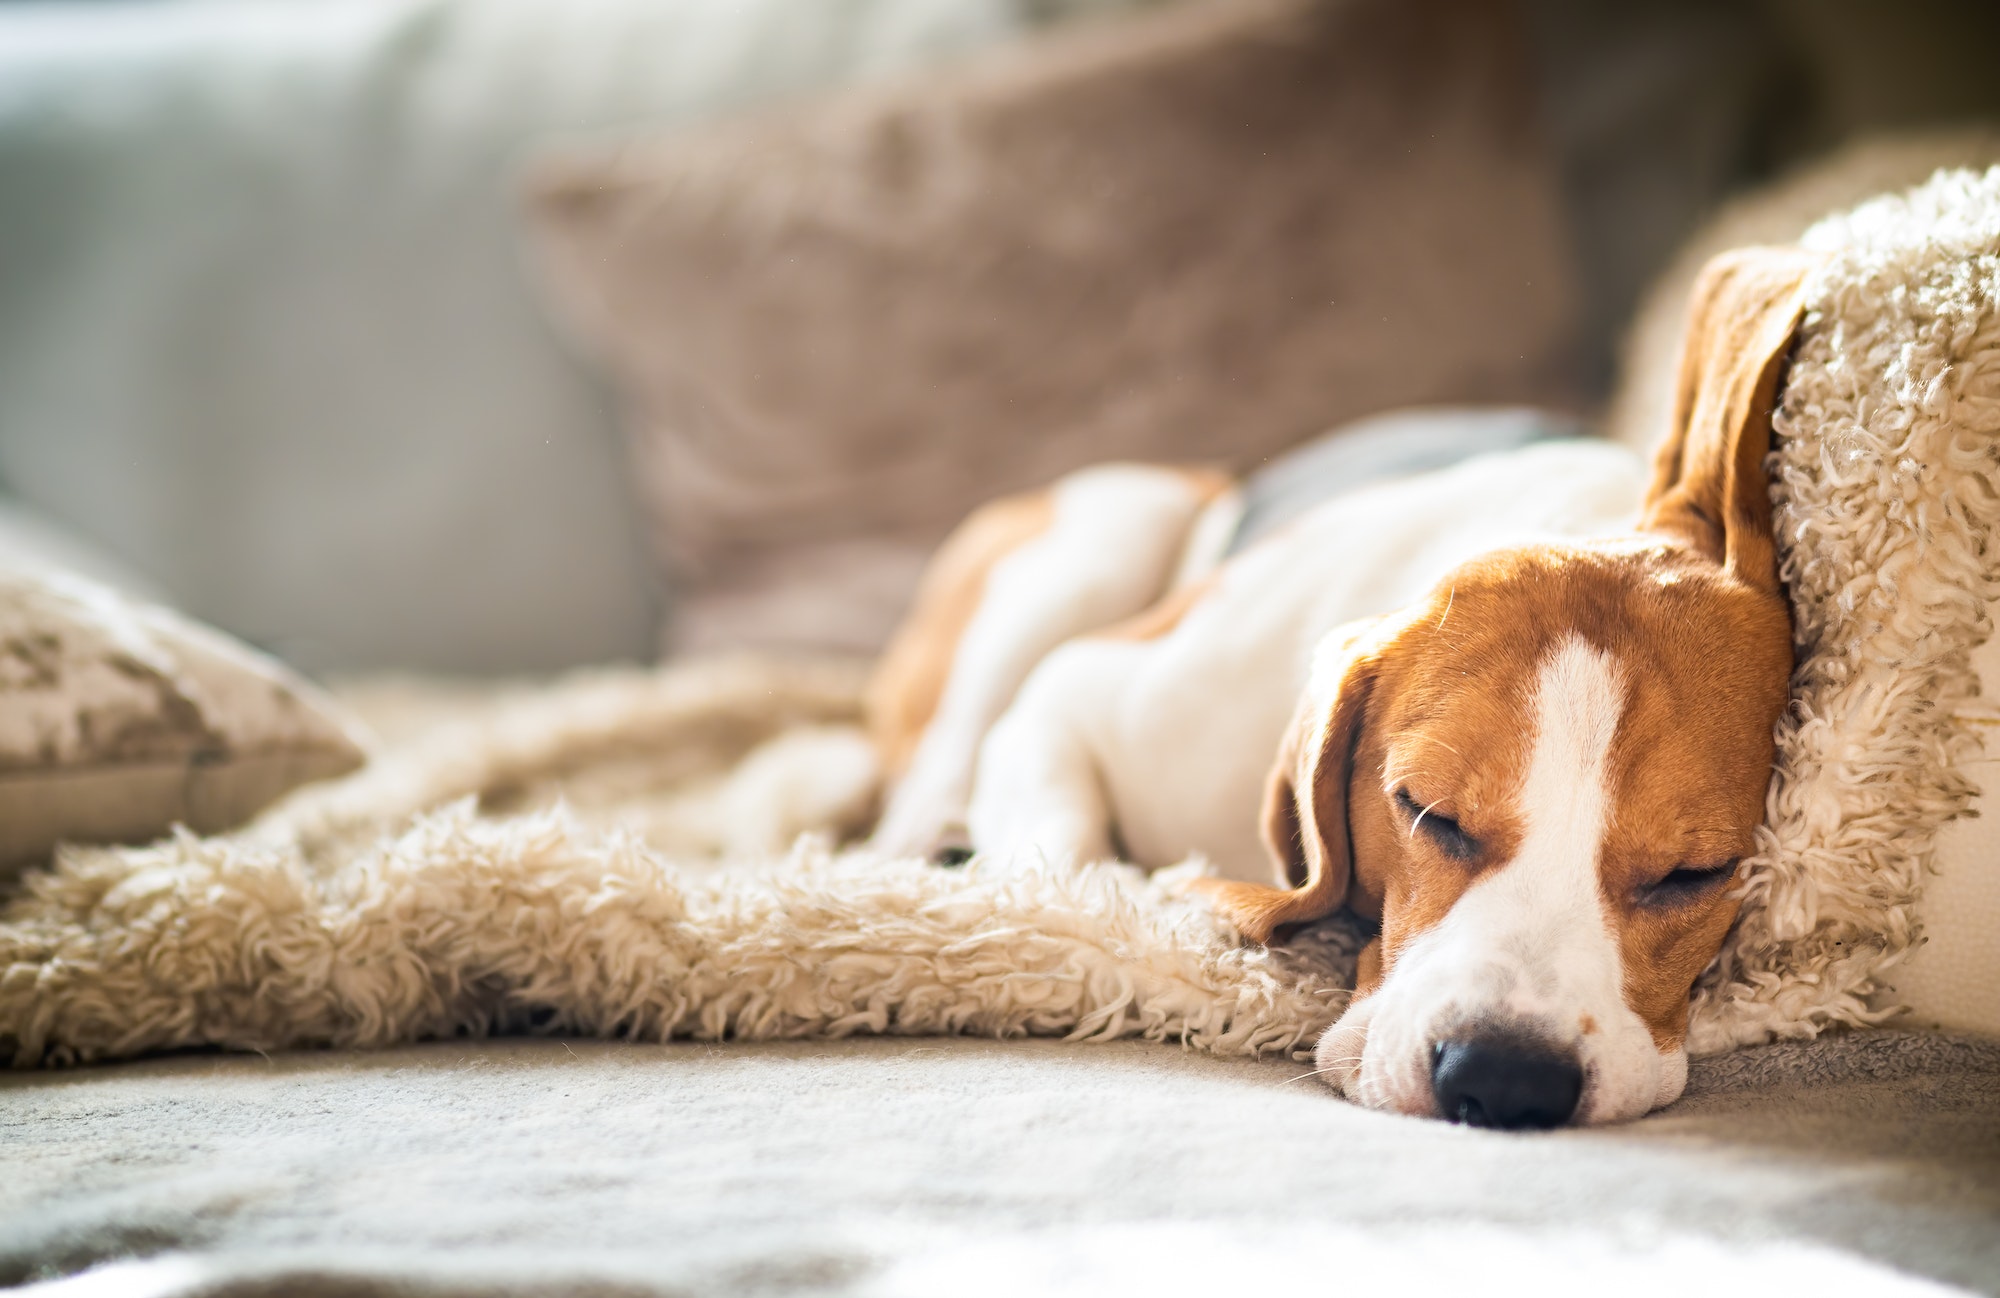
1442 830
1686 883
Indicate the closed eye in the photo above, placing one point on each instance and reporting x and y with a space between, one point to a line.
1685 884
1442 830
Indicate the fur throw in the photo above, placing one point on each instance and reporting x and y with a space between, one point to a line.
492 877
551 867
1887 489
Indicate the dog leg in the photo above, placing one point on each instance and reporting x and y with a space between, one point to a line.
1113 541
1040 792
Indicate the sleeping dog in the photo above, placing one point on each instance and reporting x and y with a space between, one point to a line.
1528 740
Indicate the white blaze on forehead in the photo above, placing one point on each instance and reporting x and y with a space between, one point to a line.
1579 699
1530 939
1529 946
1540 917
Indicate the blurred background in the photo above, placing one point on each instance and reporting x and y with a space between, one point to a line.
499 336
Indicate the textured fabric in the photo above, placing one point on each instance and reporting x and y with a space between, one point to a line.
1867 1164
1778 213
1887 493
1204 235
1945 964
364 912
119 719
265 332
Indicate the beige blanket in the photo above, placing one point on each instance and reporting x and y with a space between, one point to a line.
606 857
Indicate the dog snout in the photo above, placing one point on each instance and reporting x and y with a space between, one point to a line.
1505 1080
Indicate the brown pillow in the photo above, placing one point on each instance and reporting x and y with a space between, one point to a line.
120 719
1202 234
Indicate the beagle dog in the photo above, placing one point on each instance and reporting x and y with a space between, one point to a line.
1518 712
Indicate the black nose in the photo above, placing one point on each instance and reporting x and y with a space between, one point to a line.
1496 1080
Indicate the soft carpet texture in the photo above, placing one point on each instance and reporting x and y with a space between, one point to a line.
1860 1164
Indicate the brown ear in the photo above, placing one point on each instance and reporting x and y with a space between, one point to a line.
1709 486
1305 797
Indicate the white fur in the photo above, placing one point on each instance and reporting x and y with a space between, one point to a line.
400 904
1115 540
1161 747
1529 946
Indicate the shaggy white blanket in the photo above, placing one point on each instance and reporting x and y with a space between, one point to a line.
542 869
390 907
1887 492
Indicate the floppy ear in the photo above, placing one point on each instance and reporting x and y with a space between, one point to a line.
1305 796
1709 485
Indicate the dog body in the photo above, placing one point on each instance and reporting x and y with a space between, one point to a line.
1521 719
1175 713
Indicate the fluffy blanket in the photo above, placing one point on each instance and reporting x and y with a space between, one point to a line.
1887 493
543 870
552 868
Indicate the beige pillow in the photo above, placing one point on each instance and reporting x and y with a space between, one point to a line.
1205 233
120 719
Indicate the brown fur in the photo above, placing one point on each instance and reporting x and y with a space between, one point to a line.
1687 770
1709 485
911 677
909 680
1692 611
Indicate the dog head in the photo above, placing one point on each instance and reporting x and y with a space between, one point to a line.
1541 780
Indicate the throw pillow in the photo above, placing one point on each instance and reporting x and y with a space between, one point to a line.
120 719
261 277
1205 233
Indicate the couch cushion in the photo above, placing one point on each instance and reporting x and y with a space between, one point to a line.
1777 213
1204 234
264 329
